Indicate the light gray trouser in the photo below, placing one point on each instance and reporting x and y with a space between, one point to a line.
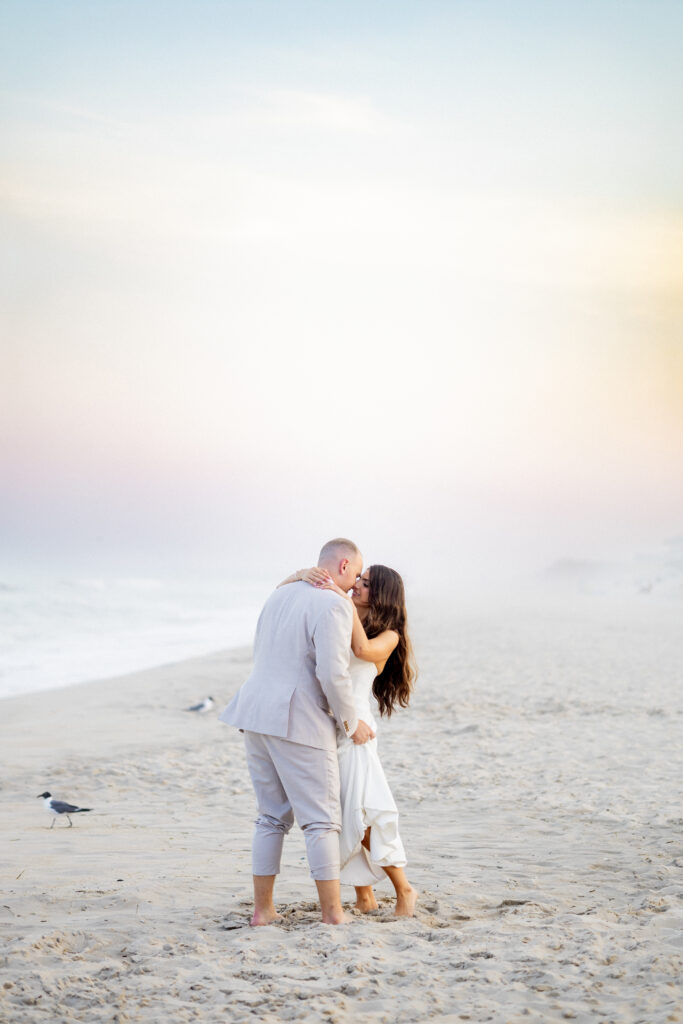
294 781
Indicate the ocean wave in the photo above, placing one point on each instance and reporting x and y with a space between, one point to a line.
66 631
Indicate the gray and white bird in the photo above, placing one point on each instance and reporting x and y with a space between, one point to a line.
204 705
58 807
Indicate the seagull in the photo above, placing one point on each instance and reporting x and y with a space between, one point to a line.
204 705
58 807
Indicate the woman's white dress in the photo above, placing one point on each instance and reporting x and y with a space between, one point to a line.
366 799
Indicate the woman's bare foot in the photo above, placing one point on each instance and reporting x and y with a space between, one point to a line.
405 902
262 917
365 902
336 917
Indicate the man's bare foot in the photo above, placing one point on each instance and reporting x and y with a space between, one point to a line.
262 917
405 902
366 903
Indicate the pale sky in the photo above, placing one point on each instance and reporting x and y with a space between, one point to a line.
410 272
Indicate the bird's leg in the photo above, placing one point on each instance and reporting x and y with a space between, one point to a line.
53 823
71 824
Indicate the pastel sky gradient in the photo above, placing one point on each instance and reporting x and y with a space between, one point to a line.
276 271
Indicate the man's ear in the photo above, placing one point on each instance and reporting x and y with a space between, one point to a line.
342 566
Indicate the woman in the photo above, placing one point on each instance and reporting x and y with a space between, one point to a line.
381 663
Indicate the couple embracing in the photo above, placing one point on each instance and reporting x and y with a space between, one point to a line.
309 731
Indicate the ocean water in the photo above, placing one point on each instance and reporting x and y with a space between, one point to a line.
55 632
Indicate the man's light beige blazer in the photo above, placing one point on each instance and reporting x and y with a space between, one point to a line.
300 682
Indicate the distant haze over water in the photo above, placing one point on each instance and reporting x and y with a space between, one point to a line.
62 629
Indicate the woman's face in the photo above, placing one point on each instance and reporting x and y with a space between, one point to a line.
361 591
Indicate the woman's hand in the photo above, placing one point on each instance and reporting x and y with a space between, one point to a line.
321 579
331 585
315 576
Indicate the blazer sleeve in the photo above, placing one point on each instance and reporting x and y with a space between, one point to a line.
332 640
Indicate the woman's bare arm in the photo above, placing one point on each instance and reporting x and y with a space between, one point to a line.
293 577
314 576
376 650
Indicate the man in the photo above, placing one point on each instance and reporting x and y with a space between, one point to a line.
298 689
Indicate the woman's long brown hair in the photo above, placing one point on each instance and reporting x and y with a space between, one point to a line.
387 610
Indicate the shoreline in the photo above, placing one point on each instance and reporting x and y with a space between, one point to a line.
115 677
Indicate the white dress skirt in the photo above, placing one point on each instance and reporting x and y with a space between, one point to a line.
366 799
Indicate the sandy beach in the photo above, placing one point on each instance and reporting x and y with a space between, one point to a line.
538 776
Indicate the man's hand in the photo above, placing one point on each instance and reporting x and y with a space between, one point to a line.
363 732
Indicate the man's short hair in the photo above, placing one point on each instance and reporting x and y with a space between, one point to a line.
340 547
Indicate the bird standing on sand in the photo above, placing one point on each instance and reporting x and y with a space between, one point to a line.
204 705
58 807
